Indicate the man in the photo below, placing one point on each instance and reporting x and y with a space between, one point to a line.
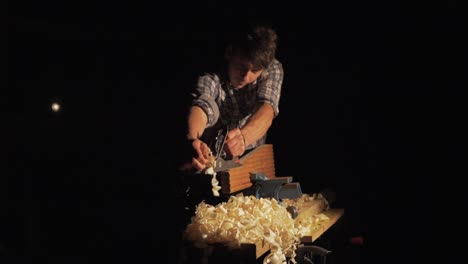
243 97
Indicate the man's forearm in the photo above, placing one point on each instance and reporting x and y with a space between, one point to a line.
258 124
197 121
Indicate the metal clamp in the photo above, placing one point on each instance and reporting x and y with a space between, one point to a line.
311 254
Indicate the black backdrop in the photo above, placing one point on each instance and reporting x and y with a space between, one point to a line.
371 106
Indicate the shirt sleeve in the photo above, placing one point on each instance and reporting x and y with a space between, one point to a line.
204 96
269 87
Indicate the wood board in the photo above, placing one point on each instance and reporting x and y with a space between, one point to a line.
333 214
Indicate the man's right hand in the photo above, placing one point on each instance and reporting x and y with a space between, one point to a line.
202 154
235 143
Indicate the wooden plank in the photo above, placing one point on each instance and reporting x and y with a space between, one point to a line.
261 247
334 214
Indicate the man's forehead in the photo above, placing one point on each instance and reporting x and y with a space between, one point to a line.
244 62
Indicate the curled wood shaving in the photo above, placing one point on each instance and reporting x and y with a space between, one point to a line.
214 182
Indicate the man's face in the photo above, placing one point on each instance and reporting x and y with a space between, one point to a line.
242 72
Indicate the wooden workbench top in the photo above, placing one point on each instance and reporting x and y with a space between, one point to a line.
316 231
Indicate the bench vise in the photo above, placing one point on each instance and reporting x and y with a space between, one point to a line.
277 187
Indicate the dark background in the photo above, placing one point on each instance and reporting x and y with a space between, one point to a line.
372 106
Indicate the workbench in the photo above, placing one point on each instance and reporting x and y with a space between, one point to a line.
237 179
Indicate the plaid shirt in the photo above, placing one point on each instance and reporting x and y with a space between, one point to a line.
227 106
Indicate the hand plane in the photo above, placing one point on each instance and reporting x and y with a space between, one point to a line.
219 161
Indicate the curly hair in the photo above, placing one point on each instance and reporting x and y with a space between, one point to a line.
257 44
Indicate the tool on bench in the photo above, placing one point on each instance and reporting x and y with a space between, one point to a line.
277 187
220 161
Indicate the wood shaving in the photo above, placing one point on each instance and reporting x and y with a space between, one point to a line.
209 170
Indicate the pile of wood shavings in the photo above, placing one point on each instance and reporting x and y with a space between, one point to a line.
245 219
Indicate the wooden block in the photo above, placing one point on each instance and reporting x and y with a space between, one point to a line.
260 159
261 247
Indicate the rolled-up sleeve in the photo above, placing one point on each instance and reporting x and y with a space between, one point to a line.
269 87
204 95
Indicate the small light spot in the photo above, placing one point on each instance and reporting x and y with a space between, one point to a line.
55 107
